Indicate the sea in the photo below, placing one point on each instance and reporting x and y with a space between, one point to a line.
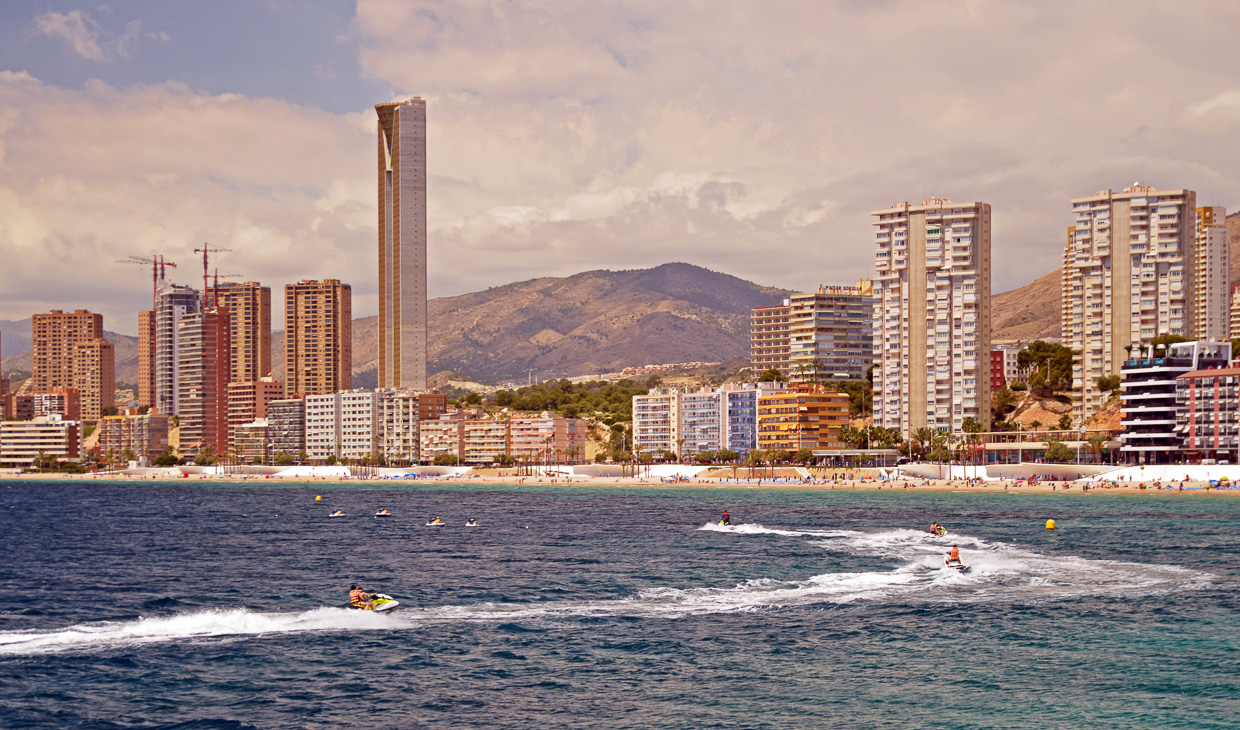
217 605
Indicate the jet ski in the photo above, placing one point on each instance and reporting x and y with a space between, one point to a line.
957 565
472 523
337 513
435 523
381 602
383 513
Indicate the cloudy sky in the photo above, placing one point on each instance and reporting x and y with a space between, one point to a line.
750 138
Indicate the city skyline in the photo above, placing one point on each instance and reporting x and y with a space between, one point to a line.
612 138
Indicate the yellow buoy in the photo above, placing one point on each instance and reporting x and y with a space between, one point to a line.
1050 524
318 498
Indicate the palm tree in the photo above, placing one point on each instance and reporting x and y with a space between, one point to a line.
1097 442
816 364
923 437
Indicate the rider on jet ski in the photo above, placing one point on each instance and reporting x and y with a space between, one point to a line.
359 598
954 556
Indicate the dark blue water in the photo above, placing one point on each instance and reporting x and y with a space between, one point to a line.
136 606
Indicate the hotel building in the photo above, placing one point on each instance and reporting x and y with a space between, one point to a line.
770 342
1148 381
1208 413
145 437
1211 302
249 401
802 417
22 442
709 419
550 439
1128 276
249 304
932 317
286 427
402 244
318 338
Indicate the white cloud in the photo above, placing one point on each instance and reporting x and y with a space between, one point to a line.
76 28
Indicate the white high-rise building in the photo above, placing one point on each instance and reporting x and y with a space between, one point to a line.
402 244
932 319
173 301
1211 304
1128 276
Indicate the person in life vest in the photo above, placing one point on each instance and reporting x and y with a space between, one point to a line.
954 555
726 519
359 598
936 529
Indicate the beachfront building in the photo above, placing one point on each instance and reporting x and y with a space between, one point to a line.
344 425
1208 414
249 304
740 406
63 402
402 244
656 421
770 344
23 442
550 439
173 302
1148 393
140 438
250 445
286 428
1128 276
486 441
803 417
831 333
249 401
318 338
443 435
932 316
54 338
204 350
399 419
1212 264
94 377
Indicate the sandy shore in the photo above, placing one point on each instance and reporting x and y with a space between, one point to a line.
857 482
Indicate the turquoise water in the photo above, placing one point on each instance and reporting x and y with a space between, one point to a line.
142 605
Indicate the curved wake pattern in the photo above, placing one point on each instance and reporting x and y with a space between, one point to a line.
997 572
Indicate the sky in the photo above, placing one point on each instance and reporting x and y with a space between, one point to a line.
749 138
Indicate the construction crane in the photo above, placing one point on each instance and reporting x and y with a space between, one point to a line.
215 285
158 264
205 251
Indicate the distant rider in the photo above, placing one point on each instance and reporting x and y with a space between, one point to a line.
954 556
359 598
726 519
934 528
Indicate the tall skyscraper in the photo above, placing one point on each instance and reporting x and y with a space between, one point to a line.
402 244
94 376
1128 276
249 304
204 347
55 337
1213 263
146 358
174 302
932 319
318 338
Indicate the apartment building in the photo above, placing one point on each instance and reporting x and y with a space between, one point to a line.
286 428
740 406
146 358
94 376
141 437
22 442
399 425
55 337
249 304
63 402
1128 276
250 442
249 401
548 439
932 317
204 349
1212 258
770 342
831 333
442 435
1148 381
803 417
172 302
318 339
656 421
485 441
1208 414
1234 313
